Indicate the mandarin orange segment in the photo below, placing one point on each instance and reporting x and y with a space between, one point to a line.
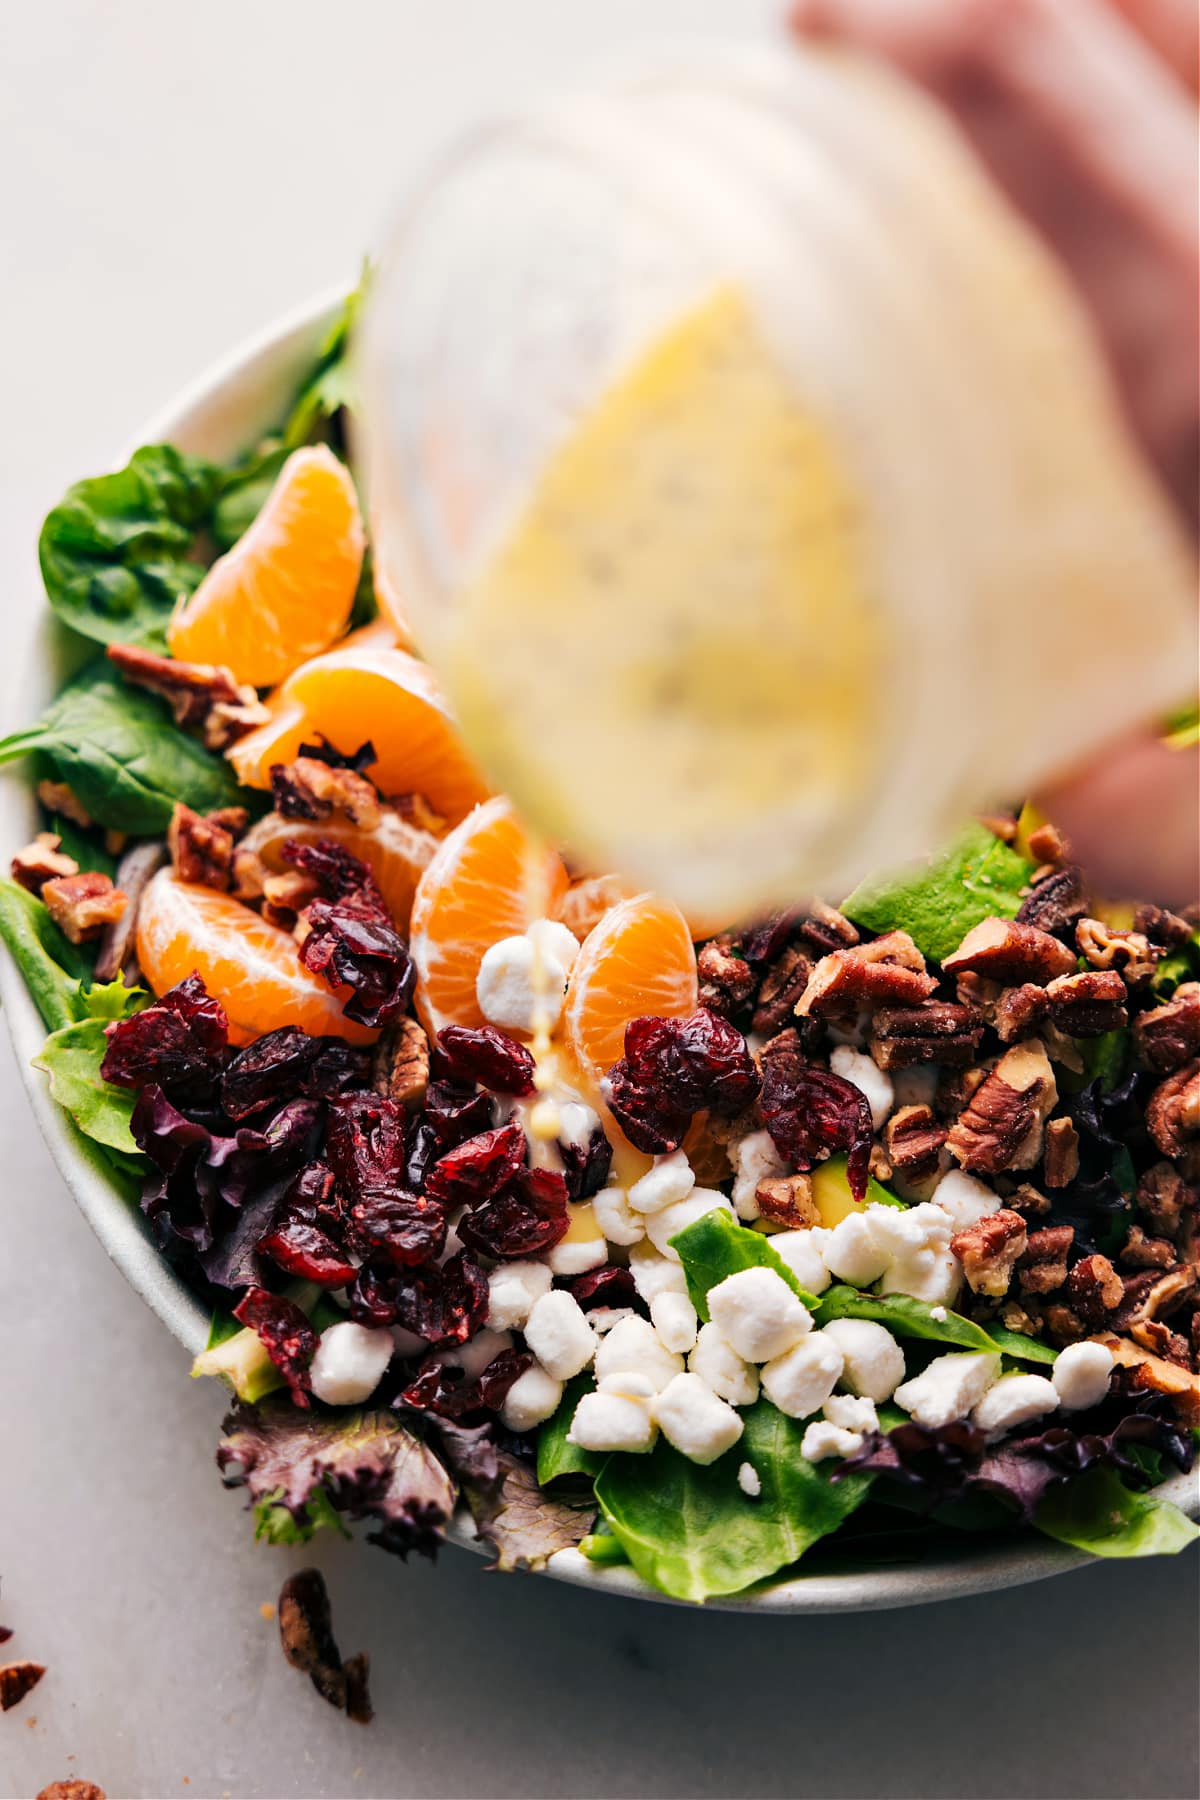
476 891
247 964
285 590
388 598
369 691
396 852
639 959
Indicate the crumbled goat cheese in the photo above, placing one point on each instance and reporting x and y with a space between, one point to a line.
873 1362
554 940
603 1318
851 1253
619 1415
576 1122
674 1318
801 1380
559 1335
851 1413
653 1273
949 1387
474 1356
662 1226
1081 1375
635 1346
862 1073
939 1313
513 1288
748 1480
1012 1401
821 1439
715 1361
801 1251
348 1363
575 1256
916 1086
916 1243
693 1419
965 1198
759 1313
616 1218
669 1180
531 1399
754 1159
508 993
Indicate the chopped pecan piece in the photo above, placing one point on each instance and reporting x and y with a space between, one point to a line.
71 1790
1130 953
780 991
57 797
1094 1289
42 861
1172 1111
116 953
1007 951
1160 926
726 980
1142 1252
286 895
1088 1004
203 697
1062 1325
1048 845
1001 1125
1155 1375
1169 1035
823 928
1152 1294
1043 1268
1019 1012
937 1032
708 1149
913 1139
1060 1153
954 1089
878 1165
1001 825
788 1200
306 1633
82 905
201 848
890 971
400 1070
990 1250
1028 1201
1163 1198
16 1680
311 789
416 810
1055 903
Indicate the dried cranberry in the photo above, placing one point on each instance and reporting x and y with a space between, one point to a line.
178 1043
445 1305
423 1149
310 1194
487 1056
307 1252
586 1166
763 942
651 1123
610 1286
451 1115
351 941
474 1171
810 1113
440 1389
338 873
673 1068
358 761
406 1228
286 1062
365 1142
529 1217
374 1295
285 1334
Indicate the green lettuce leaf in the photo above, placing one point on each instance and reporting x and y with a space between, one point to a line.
118 750
693 1533
903 1316
715 1246
938 901
557 1460
52 967
71 1058
1098 1513
276 1523
1016 1345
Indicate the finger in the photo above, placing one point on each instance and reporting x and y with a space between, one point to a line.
1133 820
1172 29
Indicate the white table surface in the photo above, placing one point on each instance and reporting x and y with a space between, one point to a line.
174 175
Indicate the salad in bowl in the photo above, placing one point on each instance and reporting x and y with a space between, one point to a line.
843 1241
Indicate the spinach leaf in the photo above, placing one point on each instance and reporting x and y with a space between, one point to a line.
716 1246
244 489
117 552
51 965
71 1058
1105 1057
903 1316
119 751
1097 1512
603 1549
831 1191
557 1460
85 846
330 387
1018 1346
938 901
692 1532
1182 965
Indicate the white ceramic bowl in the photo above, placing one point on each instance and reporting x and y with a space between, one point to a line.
218 415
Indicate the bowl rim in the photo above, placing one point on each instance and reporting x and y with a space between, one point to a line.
216 413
